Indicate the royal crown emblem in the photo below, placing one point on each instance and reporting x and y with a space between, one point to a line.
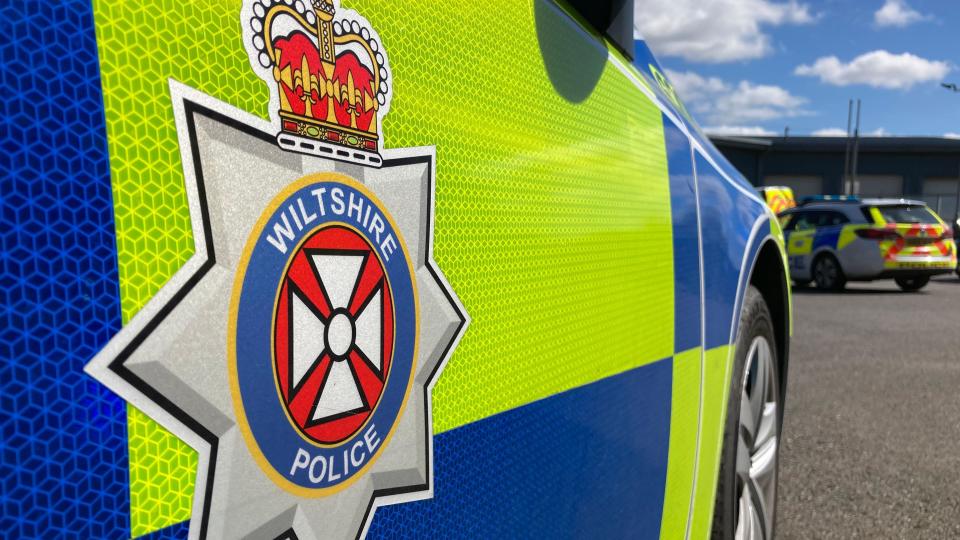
328 76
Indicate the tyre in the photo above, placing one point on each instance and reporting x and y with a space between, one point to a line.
912 284
801 283
746 499
827 273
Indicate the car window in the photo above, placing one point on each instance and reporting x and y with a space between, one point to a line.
804 221
832 219
906 214
787 221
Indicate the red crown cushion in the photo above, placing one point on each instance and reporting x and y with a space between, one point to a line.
298 46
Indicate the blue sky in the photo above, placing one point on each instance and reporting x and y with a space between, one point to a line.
756 66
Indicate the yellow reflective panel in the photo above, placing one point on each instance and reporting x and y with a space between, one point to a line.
552 204
800 242
716 392
682 460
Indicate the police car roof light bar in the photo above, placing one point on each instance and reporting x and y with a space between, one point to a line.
829 199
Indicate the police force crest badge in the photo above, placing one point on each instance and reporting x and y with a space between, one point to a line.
297 348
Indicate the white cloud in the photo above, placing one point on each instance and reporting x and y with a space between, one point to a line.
719 103
693 87
897 13
879 69
837 132
758 103
717 30
830 132
743 131
951 135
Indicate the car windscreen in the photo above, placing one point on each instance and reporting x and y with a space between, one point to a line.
906 214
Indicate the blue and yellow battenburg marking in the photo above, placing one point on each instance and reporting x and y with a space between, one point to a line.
329 259
485 450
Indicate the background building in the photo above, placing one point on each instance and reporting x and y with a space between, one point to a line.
926 168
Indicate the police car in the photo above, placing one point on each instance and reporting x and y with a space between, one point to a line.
832 240
779 198
956 230
312 269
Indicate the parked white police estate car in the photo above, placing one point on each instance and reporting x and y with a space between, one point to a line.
832 240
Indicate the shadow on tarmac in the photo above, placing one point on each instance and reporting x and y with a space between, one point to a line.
813 291
858 290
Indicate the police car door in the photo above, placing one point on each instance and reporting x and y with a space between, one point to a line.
800 231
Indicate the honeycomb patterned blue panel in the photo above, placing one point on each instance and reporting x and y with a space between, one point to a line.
512 475
63 447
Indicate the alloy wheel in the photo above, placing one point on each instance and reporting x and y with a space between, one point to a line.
757 444
826 273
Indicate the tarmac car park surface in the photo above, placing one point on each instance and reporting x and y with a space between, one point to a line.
870 427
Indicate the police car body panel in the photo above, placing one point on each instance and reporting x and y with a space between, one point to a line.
324 269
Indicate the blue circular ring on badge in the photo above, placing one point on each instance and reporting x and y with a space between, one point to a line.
324 341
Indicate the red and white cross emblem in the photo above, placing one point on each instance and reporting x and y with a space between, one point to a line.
333 334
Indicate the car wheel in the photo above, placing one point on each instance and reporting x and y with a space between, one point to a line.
828 274
912 284
746 500
801 283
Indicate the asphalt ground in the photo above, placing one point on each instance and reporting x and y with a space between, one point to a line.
871 435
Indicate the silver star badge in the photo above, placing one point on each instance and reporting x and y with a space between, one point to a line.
171 360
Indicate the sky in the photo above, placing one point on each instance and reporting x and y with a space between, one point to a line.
754 67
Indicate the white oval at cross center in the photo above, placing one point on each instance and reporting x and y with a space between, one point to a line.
339 334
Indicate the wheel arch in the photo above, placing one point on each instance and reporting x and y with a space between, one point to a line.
820 252
769 276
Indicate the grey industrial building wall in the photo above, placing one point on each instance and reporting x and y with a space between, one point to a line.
915 159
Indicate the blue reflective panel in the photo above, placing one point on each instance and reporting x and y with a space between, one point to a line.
589 462
686 249
826 237
63 444
727 217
